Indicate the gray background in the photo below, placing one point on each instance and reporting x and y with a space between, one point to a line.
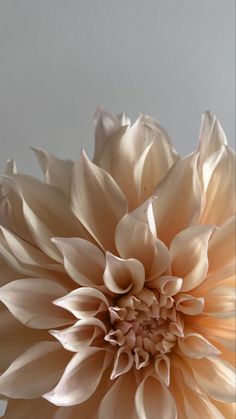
171 59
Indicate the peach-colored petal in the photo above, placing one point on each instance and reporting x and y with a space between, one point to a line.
228 410
151 400
96 201
188 304
167 284
220 192
84 302
83 261
196 346
24 409
123 362
80 379
30 301
56 171
179 199
220 301
34 372
82 334
188 252
119 400
162 368
216 378
123 275
134 239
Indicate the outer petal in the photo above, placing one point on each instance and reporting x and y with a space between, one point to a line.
220 301
196 346
97 201
34 372
119 400
221 190
123 275
83 260
56 171
154 401
188 252
179 199
216 378
30 301
80 379
37 409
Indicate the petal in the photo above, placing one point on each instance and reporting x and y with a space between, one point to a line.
167 284
104 125
215 377
56 171
123 362
153 164
220 301
123 275
189 258
82 334
179 199
196 346
154 401
219 330
220 190
30 301
118 402
80 379
83 302
83 261
34 372
96 201
162 368
22 409
134 239
189 305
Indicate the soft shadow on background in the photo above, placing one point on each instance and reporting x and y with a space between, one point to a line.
61 58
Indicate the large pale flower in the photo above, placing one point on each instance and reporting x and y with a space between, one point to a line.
117 279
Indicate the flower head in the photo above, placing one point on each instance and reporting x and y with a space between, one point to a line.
117 279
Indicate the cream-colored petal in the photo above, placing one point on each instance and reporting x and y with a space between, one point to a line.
97 201
80 379
57 172
220 195
215 377
118 402
134 239
154 401
10 167
35 371
83 261
189 305
189 258
162 368
82 334
104 125
179 199
220 301
123 275
196 346
167 284
153 164
84 302
30 301
15 338
123 362
24 409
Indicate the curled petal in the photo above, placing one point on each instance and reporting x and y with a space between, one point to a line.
188 304
80 379
152 399
166 284
34 372
96 201
162 368
196 346
82 334
30 301
83 261
189 258
83 302
141 358
123 275
123 362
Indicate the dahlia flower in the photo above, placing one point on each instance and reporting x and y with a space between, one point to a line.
117 279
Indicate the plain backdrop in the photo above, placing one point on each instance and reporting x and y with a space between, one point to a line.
60 59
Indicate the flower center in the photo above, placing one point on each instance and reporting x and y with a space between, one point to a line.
147 324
